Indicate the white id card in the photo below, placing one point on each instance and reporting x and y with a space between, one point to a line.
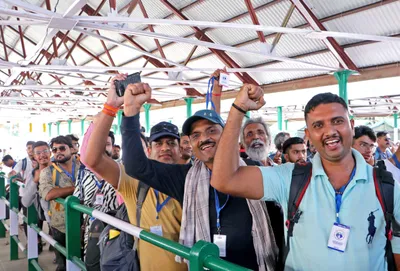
339 237
156 230
220 241
224 79
99 199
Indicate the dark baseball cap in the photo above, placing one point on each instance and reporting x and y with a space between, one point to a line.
205 114
163 129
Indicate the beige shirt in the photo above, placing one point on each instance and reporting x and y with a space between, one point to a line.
46 184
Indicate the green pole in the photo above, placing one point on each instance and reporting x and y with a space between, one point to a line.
49 124
32 238
189 102
13 220
119 120
342 77
147 116
82 127
72 230
114 127
395 117
199 252
58 127
69 126
286 125
2 194
279 108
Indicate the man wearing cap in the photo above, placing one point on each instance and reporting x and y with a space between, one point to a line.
239 227
160 213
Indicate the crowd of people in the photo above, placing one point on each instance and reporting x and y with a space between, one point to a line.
312 204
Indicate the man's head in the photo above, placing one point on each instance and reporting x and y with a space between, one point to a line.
256 138
185 148
61 147
41 152
110 143
75 143
279 139
29 149
383 140
295 150
164 143
116 152
364 141
329 127
8 161
204 129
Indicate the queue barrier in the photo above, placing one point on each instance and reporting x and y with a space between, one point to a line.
201 255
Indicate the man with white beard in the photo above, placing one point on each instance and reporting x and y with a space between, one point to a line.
256 139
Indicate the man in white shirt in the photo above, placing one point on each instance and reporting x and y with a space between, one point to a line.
24 168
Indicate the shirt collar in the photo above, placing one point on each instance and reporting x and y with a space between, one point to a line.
361 166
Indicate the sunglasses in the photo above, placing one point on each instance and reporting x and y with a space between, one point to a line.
164 127
61 149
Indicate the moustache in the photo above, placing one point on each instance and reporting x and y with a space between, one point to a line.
257 141
207 141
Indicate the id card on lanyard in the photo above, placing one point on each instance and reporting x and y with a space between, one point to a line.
220 239
157 229
340 233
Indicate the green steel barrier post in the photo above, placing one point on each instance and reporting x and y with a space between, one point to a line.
199 252
73 233
2 205
32 238
13 220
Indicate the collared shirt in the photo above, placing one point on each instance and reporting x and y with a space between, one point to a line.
380 155
25 174
309 243
46 184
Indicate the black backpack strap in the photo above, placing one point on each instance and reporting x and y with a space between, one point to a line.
301 177
141 196
384 188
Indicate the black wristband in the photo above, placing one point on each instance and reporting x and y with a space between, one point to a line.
238 108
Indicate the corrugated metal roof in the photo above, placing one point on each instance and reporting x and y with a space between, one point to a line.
325 8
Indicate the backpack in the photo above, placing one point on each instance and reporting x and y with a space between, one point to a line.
24 164
118 249
55 176
384 188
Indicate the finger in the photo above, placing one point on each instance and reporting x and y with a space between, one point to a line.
147 89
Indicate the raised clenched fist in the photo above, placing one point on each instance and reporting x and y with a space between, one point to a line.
135 96
250 97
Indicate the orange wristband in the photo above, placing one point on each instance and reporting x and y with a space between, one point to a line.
108 112
111 108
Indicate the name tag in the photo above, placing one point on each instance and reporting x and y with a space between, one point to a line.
157 230
224 79
220 241
99 199
339 237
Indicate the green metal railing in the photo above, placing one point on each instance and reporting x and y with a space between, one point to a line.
201 255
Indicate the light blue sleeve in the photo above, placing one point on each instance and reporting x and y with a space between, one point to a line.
396 212
276 181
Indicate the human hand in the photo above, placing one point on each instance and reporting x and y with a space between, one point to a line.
250 97
112 98
135 96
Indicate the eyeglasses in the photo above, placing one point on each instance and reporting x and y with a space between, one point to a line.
366 146
42 152
161 127
61 149
76 145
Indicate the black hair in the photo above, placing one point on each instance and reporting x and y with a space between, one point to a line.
117 146
61 140
30 143
381 133
39 144
73 137
291 141
111 134
323 98
363 130
6 158
145 139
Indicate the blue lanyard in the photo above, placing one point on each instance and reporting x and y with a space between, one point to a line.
339 194
99 184
209 93
160 206
218 209
396 161
72 176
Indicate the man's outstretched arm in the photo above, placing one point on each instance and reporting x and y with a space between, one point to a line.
227 176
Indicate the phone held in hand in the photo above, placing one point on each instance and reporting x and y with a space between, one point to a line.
120 86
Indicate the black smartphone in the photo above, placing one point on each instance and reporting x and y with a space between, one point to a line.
120 86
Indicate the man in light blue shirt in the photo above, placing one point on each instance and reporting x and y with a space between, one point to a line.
337 172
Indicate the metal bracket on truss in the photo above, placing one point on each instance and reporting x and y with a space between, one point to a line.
62 23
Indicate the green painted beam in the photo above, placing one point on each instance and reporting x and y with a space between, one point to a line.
82 127
58 128
395 117
119 120
147 116
69 126
280 117
189 102
50 124
342 78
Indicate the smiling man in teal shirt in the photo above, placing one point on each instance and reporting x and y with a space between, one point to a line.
336 170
